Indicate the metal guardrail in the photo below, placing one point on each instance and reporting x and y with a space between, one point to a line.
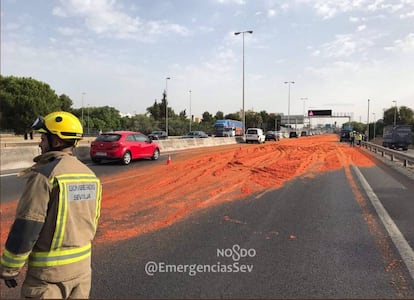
392 154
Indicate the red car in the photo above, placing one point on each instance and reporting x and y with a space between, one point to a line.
123 145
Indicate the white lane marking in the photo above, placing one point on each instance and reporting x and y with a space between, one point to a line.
406 252
7 175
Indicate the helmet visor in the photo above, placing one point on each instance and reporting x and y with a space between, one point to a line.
39 125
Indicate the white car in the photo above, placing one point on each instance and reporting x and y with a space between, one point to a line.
255 135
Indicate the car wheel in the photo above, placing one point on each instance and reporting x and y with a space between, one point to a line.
96 160
156 154
126 158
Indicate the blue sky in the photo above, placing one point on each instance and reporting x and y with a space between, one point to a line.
339 53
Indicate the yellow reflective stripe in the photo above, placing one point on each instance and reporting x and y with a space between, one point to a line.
60 218
59 257
76 176
98 204
12 260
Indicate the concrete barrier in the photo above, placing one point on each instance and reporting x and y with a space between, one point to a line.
22 156
17 157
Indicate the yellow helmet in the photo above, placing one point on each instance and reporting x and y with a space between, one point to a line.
61 123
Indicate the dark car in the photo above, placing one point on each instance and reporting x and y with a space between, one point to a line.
195 134
271 136
293 134
345 136
158 135
124 146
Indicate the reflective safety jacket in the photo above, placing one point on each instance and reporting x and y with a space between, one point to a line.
56 219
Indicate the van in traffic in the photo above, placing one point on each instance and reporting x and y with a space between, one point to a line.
255 135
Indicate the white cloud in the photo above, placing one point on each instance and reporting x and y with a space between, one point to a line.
361 27
330 8
284 7
160 27
206 29
356 45
343 45
239 2
103 17
353 19
58 11
316 53
407 15
67 31
271 13
405 45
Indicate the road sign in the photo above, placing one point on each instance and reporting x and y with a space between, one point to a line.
319 112
293 119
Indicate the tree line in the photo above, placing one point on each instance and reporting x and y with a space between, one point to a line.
23 99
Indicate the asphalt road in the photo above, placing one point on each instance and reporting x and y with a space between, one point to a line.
317 237
310 239
11 185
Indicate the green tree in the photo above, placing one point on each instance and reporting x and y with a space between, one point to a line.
65 103
273 122
389 114
139 122
403 115
23 99
156 111
103 118
178 126
207 117
266 121
183 115
219 115
254 119
207 123
406 115
233 116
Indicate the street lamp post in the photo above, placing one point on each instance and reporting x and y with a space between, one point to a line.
304 100
304 111
375 121
395 112
166 105
243 111
88 119
289 83
368 123
83 94
191 116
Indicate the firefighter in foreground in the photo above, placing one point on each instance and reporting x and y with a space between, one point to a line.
56 217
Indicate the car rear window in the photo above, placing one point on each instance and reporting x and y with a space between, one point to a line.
108 138
252 131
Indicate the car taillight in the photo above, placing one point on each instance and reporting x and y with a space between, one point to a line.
115 145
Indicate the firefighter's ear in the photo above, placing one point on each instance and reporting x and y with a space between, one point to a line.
57 142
